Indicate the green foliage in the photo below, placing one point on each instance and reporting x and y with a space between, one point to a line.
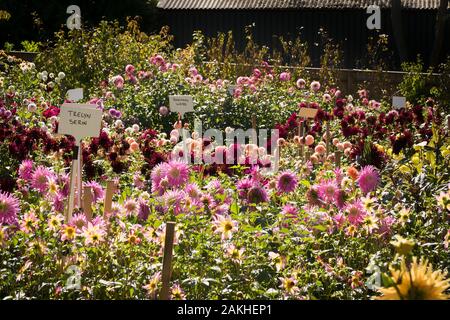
30 46
90 56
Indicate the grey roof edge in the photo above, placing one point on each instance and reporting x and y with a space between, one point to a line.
291 4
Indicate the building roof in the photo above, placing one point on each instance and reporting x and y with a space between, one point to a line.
291 4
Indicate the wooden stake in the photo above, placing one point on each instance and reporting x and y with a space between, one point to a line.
337 158
167 261
110 189
72 185
302 136
87 202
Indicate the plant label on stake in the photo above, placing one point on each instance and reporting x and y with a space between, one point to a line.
398 102
80 121
305 113
182 105
75 94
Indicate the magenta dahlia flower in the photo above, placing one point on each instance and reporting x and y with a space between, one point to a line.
368 179
355 212
40 178
177 173
25 170
97 190
328 190
158 173
9 207
287 182
257 195
173 199
193 190
78 221
289 211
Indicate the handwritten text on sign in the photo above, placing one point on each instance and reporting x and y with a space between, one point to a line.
80 120
181 104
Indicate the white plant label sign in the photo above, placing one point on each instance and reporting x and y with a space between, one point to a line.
75 94
308 112
80 120
181 104
398 102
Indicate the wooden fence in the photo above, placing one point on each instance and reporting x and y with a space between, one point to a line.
380 83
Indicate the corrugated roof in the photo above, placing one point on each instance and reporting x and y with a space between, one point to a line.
292 4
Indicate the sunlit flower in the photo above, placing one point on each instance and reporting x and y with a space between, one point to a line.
176 293
351 230
236 255
369 223
26 170
403 215
278 260
443 200
328 190
417 282
40 178
54 222
131 207
225 226
301 83
369 204
68 232
289 285
353 173
93 234
29 222
286 182
78 221
289 211
9 208
97 190
152 286
177 173
368 179
402 246
355 212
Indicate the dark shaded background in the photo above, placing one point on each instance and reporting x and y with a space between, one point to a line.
38 20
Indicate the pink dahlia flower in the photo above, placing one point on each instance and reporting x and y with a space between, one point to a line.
40 178
287 182
97 190
177 173
368 179
9 207
25 170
